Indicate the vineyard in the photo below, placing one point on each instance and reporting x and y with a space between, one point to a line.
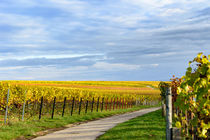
32 100
190 99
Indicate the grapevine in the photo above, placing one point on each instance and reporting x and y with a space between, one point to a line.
193 99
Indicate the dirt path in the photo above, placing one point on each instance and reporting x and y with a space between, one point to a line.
91 130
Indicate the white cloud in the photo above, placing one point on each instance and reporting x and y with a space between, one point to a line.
48 56
170 12
161 54
28 36
116 66
12 68
110 43
146 3
151 4
30 31
124 20
154 65
20 20
48 72
73 6
120 66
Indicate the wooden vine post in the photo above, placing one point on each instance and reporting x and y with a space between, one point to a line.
80 106
106 103
113 103
40 109
92 105
122 103
117 103
102 104
86 106
53 109
7 108
64 105
97 104
168 114
110 106
24 105
72 106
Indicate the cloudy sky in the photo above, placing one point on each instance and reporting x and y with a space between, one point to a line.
101 39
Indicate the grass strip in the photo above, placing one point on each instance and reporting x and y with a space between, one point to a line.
29 129
150 126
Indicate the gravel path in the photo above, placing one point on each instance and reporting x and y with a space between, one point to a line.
91 130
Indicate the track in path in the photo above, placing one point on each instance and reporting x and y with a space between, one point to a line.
91 130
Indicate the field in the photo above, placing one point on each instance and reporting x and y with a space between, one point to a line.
72 97
29 102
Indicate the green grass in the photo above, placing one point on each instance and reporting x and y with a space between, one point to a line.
28 129
150 126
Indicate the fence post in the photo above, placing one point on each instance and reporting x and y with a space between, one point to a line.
80 104
123 103
116 103
64 105
40 109
119 103
24 105
106 103
72 107
86 107
75 104
97 104
113 103
53 109
5 119
92 105
168 114
110 106
102 104
128 104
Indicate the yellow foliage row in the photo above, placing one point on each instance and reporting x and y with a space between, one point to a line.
97 83
33 93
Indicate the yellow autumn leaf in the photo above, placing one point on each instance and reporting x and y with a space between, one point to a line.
178 124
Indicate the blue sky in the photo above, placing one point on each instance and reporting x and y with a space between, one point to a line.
101 39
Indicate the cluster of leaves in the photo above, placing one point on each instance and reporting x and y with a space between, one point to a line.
163 86
193 98
175 83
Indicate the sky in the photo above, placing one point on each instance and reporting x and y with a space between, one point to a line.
116 40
